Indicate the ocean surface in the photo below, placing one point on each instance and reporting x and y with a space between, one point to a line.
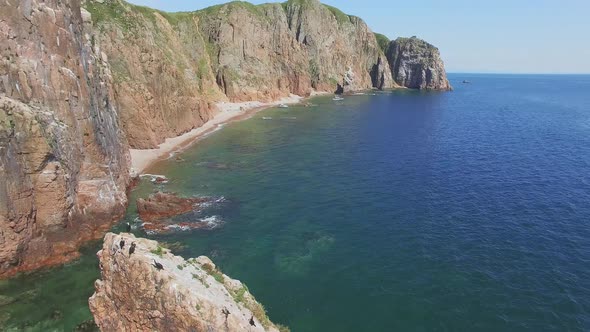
399 211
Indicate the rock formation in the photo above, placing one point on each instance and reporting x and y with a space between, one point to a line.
185 295
164 205
415 64
63 158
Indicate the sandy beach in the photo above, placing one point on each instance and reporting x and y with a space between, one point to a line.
142 159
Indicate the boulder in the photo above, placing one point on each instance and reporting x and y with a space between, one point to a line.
162 205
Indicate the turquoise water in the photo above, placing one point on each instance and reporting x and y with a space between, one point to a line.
403 211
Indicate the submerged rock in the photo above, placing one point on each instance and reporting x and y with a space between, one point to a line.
6 300
165 205
182 295
87 326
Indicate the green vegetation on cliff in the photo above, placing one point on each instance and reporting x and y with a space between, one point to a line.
416 43
340 16
383 41
227 8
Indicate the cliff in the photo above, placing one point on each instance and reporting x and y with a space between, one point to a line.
416 64
184 295
63 158
170 68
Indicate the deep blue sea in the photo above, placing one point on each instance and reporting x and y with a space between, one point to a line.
399 211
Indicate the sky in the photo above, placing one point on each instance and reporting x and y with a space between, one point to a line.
480 36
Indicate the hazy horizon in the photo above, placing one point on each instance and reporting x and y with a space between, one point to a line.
544 37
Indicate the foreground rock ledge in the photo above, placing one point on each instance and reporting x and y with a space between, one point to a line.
187 295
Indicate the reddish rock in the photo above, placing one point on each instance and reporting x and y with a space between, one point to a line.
63 156
165 205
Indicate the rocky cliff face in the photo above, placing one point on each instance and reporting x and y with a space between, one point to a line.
170 68
183 295
161 69
416 64
63 158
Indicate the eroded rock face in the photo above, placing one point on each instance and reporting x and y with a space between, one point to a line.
186 295
165 205
416 64
63 158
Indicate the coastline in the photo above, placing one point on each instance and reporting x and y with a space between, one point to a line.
142 159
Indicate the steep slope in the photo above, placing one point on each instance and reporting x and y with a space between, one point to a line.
170 68
416 64
185 295
335 43
161 70
63 158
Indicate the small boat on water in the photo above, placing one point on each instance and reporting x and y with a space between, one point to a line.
337 98
284 106
466 82
266 118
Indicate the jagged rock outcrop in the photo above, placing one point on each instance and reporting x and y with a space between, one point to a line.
416 64
185 295
164 205
63 159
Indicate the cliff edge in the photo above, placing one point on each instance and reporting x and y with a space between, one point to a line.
137 294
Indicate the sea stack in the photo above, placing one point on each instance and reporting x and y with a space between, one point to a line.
416 64
185 295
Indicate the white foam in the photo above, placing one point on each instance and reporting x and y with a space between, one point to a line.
177 227
212 222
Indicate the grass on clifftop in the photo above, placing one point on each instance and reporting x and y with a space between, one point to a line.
415 41
216 274
382 41
158 251
340 16
122 13
228 7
